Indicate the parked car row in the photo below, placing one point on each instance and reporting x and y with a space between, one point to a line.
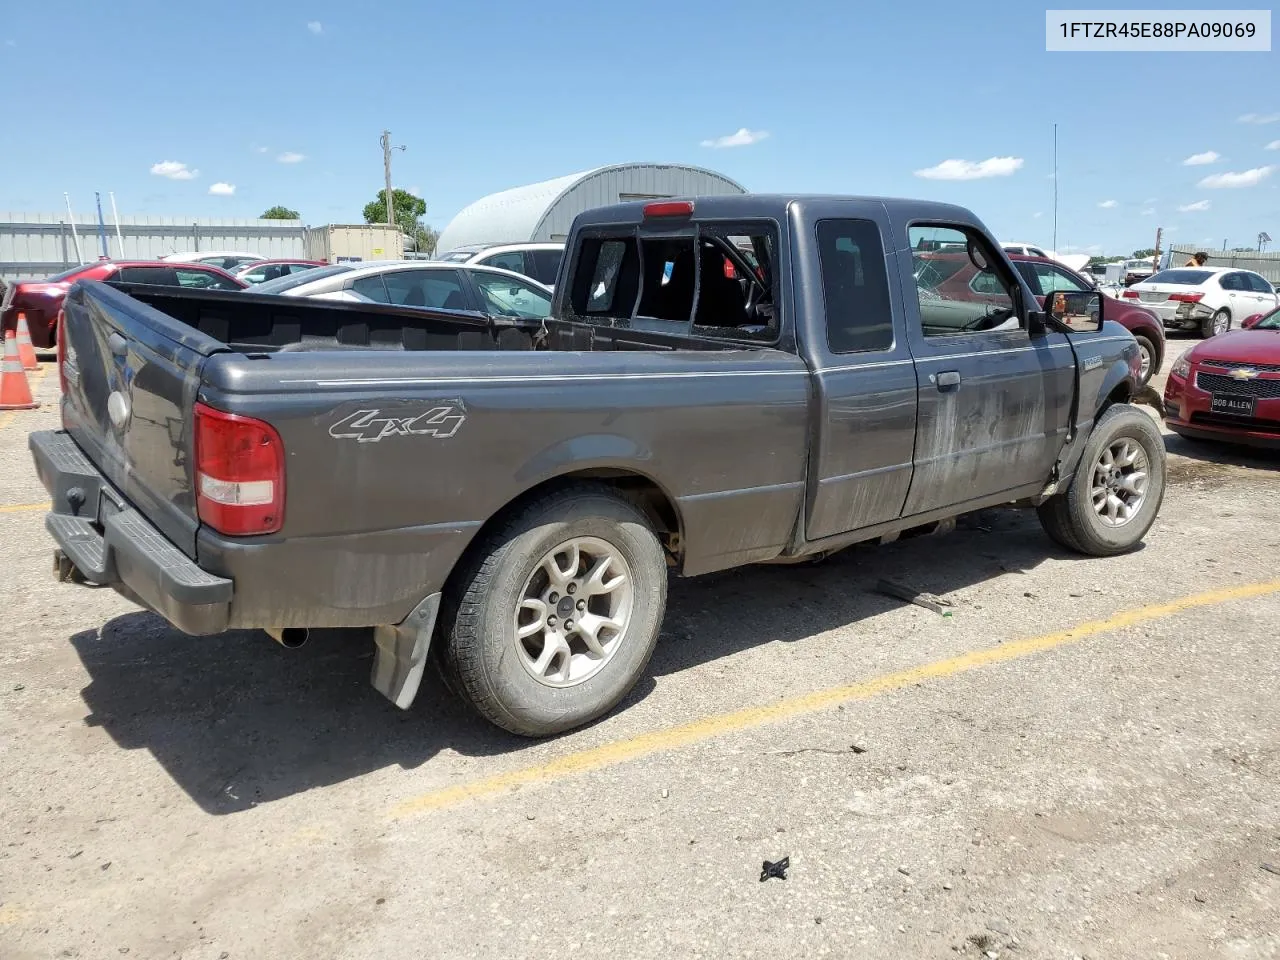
1205 299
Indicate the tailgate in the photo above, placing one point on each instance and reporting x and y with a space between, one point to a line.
132 374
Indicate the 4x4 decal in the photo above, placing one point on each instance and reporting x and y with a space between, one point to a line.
370 426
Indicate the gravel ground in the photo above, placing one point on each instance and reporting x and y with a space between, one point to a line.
1113 792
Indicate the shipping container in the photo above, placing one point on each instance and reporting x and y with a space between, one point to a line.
352 243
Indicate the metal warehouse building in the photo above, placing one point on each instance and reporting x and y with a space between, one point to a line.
544 211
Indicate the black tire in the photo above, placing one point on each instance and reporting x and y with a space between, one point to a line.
1149 349
477 647
1210 323
1069 517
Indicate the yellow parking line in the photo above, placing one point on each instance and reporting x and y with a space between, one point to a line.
24 507
611 754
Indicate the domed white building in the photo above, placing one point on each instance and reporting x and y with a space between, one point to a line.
544 211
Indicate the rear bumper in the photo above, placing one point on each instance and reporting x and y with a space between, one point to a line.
113 544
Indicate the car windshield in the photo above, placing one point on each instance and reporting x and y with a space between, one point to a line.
1187 278
457 256
280 284
1270 322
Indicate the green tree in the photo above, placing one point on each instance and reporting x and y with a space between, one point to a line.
279 213
1144 254
409 211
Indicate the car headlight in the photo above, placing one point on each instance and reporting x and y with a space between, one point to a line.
1181 369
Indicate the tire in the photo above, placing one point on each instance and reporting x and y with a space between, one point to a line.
1220 322
479 652
1071 519
1150 357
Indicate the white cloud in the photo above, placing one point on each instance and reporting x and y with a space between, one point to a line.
1194 207
222 189
1147 212
174 170
1200 159
1108 204
970 170
261 149
742 138
290 157
1037 215
1258 118
1273 145
416 191
1246 178
315 26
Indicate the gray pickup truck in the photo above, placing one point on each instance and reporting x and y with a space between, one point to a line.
722 381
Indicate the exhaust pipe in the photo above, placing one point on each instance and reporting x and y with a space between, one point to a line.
289 637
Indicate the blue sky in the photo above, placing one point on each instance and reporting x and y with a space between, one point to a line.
850 97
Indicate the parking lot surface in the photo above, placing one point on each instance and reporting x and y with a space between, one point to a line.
1081 760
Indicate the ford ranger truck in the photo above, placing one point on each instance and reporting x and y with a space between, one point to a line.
722 381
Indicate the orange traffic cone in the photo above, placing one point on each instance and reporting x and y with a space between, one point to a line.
15 394
26 352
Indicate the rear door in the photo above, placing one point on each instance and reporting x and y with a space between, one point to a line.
1263 293
994 403
865 383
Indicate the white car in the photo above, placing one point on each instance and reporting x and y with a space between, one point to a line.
1207 299
229 260
421 283
1072 261
541 261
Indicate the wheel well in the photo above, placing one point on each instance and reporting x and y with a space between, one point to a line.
1122 393
653 501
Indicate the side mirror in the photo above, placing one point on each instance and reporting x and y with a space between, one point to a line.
1081 311
1250 322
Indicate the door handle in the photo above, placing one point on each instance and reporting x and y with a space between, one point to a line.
948 379
118 344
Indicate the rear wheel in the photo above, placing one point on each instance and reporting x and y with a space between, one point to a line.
553 619
1116 490
1220 322
1150 357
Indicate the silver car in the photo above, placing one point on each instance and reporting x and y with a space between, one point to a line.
421 283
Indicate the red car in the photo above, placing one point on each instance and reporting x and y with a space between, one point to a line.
956 278
1228 387
41 300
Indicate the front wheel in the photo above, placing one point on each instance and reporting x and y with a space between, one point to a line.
1116 489
553 619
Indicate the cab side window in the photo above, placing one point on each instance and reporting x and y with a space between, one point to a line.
855 286
961 286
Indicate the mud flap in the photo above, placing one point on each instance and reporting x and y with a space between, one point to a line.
401 654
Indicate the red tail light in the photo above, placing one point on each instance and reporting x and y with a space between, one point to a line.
239 473
1130 294
1186 297
669 208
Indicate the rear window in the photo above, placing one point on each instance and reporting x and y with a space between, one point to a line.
68 274
718 279
546 264
160 276
1187 278
298 279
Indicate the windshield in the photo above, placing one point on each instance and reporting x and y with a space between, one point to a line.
1270 322
1188 278
280 284
457 256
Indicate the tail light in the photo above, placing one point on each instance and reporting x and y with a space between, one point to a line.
1187 297
1130 294
239 473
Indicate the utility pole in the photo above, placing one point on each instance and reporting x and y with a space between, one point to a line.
385 140
1155 261
1055 188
